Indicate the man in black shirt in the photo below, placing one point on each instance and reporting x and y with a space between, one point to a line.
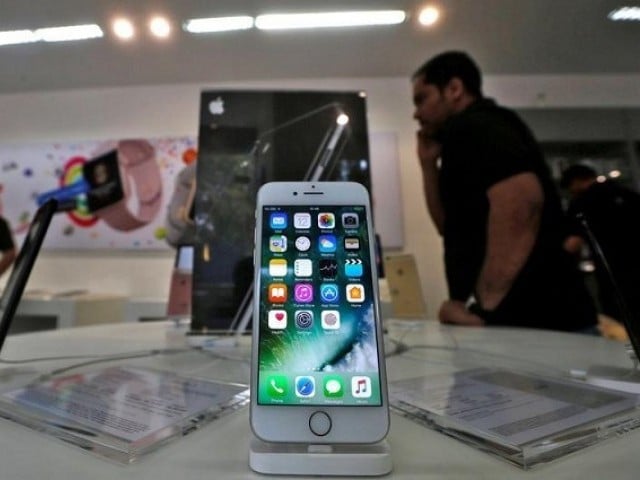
492 199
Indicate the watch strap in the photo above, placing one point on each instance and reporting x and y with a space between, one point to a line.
139 173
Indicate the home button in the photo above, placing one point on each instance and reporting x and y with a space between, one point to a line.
320 423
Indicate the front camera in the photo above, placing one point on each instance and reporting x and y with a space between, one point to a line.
295 193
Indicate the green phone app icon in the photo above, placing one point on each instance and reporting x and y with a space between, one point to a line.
333 386
277 386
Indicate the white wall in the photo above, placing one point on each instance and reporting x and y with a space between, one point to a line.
173 110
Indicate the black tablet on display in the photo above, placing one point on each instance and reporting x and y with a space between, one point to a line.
23 264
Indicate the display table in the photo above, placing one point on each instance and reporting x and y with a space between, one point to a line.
220 449
39 310
140 309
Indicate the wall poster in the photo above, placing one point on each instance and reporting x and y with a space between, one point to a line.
117 192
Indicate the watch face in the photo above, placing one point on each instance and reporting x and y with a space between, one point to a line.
103 176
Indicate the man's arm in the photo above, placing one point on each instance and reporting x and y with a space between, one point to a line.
515 208
8 256
428 154
451 311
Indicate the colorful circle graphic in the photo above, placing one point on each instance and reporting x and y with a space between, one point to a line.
71 174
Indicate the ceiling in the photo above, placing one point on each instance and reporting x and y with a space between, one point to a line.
505 36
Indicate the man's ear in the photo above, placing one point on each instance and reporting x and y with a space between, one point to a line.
455 89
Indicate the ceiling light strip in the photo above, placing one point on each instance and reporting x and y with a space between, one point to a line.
53 34
15 37
625 14
218 24
69 33
287 21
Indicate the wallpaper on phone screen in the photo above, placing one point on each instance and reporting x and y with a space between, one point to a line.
317 327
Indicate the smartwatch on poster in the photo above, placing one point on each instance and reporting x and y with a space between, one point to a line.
123 186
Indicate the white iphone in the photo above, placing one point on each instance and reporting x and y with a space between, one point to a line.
318 370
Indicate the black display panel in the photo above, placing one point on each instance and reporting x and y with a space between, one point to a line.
246 139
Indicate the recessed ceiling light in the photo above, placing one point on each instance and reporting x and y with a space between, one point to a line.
287 21
625 13
160 27
218 24
428 16
123 28
15 37
69 33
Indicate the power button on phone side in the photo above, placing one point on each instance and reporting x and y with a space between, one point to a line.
320 423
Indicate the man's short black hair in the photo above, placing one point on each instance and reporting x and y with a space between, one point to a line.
443 67
577 172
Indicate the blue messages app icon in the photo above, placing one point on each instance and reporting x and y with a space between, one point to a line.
278 221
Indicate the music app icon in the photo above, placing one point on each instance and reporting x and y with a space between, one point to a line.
360 387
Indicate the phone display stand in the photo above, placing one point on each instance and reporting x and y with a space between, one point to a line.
511 418
618 378
352 460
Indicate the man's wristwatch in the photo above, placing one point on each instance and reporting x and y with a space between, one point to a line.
473 306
